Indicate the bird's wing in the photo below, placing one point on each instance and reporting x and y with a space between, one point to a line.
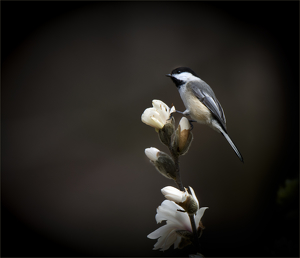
211 102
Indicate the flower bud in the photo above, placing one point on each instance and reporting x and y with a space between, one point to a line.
183 137
190 205
173 194
187 201
162 162
151 153
165 134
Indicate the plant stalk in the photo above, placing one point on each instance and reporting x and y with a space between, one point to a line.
178 177
181 188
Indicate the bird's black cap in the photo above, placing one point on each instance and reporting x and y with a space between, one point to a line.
182 70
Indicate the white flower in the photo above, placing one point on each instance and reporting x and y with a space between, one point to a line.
175 221
151 153
173 194
162 109
152 117
158 115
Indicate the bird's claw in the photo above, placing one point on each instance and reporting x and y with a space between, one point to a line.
192 121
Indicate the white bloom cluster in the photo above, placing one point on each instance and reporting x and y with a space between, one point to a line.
181 210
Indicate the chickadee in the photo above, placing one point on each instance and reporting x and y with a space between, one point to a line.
200 102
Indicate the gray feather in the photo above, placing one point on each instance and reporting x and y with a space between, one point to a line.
206 95
232 145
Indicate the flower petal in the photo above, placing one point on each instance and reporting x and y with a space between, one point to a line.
199 215
164 213
168 211
172 110
170 239
175 221
170 205
159 232
147 118
160 242
183 223
184 124
151 153
158 123
162 108
194 195
173 194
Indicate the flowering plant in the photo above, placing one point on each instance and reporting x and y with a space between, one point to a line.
181 210
178 230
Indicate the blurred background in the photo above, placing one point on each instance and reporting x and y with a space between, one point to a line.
76 77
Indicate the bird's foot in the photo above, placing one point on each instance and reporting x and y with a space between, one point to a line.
192 121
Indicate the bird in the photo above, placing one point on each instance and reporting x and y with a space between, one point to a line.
200 102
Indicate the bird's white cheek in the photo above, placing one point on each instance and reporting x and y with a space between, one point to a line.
186 77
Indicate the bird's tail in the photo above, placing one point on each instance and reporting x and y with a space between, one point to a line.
237 152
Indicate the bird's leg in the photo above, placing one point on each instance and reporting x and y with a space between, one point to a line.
185 113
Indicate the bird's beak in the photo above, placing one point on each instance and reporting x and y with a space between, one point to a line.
169 75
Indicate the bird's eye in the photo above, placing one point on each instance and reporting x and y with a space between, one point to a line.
178 71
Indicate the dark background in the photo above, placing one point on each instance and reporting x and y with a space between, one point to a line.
75 79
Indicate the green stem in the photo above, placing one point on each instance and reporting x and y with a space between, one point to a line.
181 187
192 219
178 177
